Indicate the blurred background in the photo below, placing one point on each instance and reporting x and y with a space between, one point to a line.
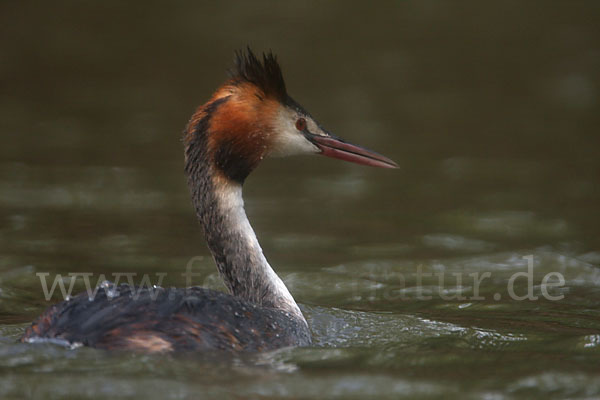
490 108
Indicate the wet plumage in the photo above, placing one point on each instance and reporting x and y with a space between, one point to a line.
159 319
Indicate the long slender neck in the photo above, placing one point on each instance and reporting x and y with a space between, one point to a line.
232 241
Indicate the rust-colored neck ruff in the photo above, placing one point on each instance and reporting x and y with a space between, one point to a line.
236 125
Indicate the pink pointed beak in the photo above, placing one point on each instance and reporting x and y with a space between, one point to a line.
334 147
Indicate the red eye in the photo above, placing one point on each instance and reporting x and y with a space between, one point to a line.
301 124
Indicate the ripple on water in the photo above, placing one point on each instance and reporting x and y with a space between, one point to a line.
99 188
456 242
508 223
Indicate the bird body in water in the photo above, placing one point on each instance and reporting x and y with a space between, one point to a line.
249 118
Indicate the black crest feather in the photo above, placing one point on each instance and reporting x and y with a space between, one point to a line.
266 74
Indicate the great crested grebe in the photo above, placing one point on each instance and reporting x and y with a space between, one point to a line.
247 119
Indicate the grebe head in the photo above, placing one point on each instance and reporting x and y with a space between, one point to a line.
252 117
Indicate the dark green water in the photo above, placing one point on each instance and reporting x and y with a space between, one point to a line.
491 109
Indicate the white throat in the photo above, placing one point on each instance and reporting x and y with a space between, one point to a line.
255 268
